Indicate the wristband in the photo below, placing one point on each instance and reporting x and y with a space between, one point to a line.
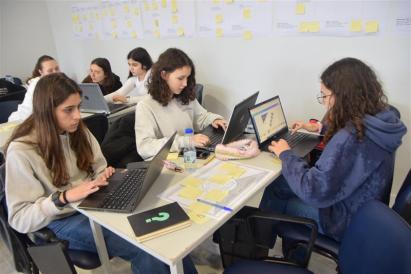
313 121
65 197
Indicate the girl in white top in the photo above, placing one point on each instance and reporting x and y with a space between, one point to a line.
45 65
171 106
134 89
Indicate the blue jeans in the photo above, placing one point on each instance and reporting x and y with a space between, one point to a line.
279 198
77 231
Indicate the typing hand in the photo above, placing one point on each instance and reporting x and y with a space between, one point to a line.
219 123
120 98
296 126
200 140
279 147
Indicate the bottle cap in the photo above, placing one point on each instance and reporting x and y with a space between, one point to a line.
188 131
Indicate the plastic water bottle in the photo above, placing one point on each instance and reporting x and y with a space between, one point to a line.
189 151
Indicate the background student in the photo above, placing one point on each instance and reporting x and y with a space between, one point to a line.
171 106
54 155
133 90
361 136
45 65
100 73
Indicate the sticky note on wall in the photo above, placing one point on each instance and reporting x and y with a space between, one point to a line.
356 26
371 26
300 8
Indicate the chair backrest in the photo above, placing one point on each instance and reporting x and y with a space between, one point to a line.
6 108
198 89
376 241
402 203
98 125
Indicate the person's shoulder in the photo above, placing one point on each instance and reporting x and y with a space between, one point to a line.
21 144
34 80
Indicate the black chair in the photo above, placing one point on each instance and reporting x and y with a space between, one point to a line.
326 246
16 95
19 243
98 125
376 241
198 89
6 108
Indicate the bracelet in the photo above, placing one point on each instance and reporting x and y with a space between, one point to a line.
64 197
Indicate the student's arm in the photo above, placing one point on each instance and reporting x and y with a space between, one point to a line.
202 118
25 109
124 90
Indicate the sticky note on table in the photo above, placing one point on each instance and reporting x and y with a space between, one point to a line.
356 26
189 192
192 181
371 26
172 156
300 8
200 207
232 170
215 195
198 218
220 178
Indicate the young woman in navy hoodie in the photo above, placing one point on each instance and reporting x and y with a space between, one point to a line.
361 135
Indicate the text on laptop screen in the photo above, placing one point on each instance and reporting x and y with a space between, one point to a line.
268 119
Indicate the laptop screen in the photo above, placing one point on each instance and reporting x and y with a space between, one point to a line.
268 119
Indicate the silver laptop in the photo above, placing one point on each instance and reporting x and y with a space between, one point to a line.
270 125
93 100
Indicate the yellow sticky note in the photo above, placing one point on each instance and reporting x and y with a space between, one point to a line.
154 5
114 34
136 11
172 156
219 18
220 178
146 6
356 26
247 35
371 26
219 32
314 27
114 24
215 195
247 13
156 33
200 207
276 160
103 13
190 192
164 3
112 12
216 1
133 34
174 6
75 19
126 8
300 8
90 27
229 1
129 23
97 15
198 218
174 19
228 166
232 170
180 31
304 27
192 181
156 23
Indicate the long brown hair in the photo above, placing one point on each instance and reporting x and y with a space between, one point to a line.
169 61
104 64
38 66
50 92
356 91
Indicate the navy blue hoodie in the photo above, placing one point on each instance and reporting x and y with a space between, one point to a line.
349 172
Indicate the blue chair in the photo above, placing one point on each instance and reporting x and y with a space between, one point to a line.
376 241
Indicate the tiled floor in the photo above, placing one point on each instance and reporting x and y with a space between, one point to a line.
318 264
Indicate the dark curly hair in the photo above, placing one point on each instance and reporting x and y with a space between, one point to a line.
356 91
169 61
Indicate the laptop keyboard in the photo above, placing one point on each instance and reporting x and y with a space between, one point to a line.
294 139
127 192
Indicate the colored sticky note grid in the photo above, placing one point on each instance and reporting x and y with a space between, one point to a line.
300 8
247 13
232 170
192 181
356 26
190 192
215 195
220 178
219 18
200 207
198 218
371 26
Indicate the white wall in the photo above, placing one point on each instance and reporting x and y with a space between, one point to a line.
231 68
25 35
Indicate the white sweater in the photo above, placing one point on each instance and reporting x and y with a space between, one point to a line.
156 123
133 88
29 184
25 109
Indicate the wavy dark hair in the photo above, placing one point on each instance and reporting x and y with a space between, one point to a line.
104 64
38 66
356 91
51 91
140 55
169 61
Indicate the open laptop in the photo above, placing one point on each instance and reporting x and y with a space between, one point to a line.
126 189
236 125
93 100
270 125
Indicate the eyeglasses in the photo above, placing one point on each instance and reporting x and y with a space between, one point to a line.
321 97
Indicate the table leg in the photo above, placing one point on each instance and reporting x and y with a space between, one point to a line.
177 268
101 247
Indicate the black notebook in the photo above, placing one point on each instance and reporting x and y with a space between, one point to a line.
158 221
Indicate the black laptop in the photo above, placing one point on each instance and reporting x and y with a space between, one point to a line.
270 125
127 189
236 125
93 100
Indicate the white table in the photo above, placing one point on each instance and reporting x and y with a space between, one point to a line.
172 248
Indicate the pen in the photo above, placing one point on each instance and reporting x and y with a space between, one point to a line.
214 204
